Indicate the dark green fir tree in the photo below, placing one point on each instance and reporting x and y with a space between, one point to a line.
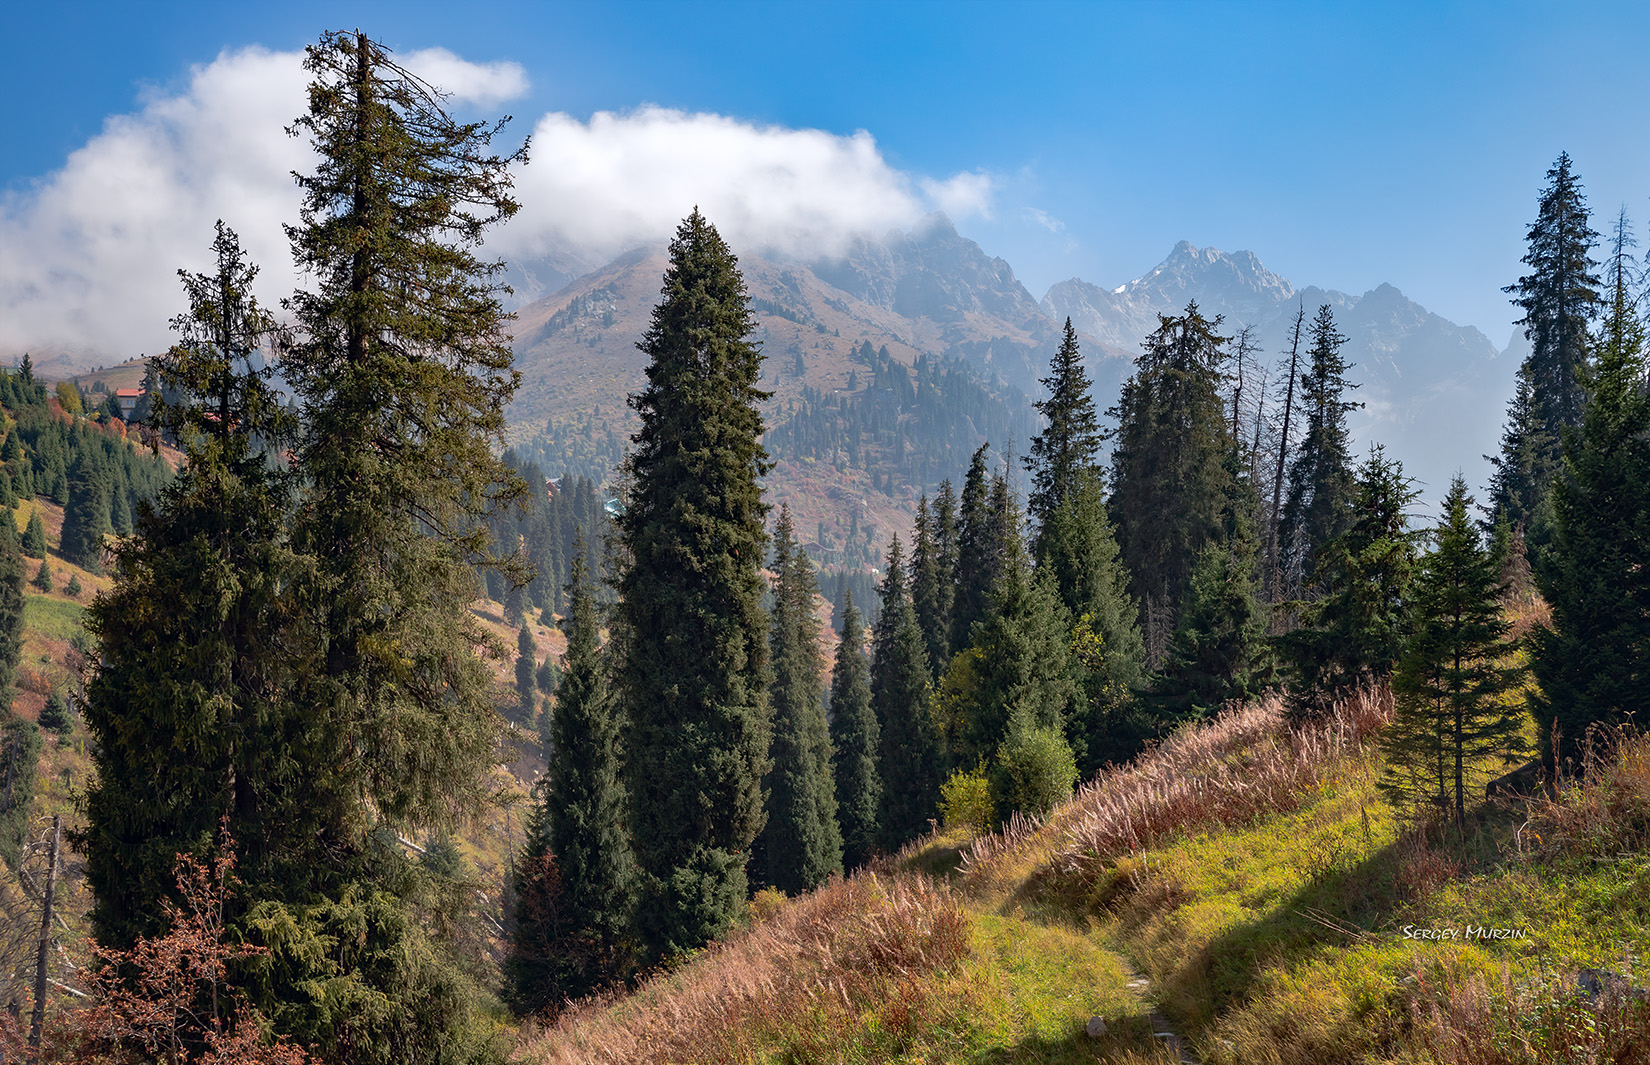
1172 474
1559 298
909 757
855 744
1593 663
1021 662
933 577
86 518
526 668
1450 684
978 552
801 842
1081 555
1356 633
34 536
1321 483
695 666
575 886
1068 448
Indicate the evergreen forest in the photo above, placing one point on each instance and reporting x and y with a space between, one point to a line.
343 728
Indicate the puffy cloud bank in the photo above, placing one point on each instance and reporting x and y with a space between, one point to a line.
89 254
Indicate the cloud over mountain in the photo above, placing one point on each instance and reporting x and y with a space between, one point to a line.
89 254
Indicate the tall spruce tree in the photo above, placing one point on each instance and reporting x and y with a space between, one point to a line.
695 667
1022 665
856 742
908 758
526 667
1559 297
1081 556
190 708
1068 448
1592 662
1356 633
1450 683
933 581
19 740
977 552
801 841
402 369
575 886
1218 651
34 535
1321 480
1172 474
86 518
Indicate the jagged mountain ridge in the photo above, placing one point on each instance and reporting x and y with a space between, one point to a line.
1433 391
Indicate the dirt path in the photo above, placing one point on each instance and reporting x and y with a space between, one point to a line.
1162 1030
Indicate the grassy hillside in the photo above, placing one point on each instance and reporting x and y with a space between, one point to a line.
1244 893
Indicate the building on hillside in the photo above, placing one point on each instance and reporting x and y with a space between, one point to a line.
128 400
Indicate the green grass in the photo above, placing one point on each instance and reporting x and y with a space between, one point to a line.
56 619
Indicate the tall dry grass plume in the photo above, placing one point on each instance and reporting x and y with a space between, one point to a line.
801 978
1244 763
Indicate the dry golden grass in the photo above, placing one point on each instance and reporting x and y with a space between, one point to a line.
1244 764
805 978
1604 813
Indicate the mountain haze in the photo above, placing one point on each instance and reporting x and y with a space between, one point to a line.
1433 391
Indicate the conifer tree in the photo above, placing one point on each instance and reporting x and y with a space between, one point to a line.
1592 663
1357 632
34 536
801 840
1172 474
1218 650
977 552
526 666
11 609
19 761
932 580
695 666
1559 298
575 887
402 369
378 693
908 758
1068 448
1022 664
86 518
1321 481
1081 556
43 577
191 708
1451 679
855 744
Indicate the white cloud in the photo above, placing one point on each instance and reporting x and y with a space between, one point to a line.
89 255
482 84
962 195
1044 219
600 187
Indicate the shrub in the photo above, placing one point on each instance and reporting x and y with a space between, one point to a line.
965 800
1034 772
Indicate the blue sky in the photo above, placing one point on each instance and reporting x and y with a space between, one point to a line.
1345 145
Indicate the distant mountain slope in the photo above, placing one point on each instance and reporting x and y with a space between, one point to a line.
1433 391
927 295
